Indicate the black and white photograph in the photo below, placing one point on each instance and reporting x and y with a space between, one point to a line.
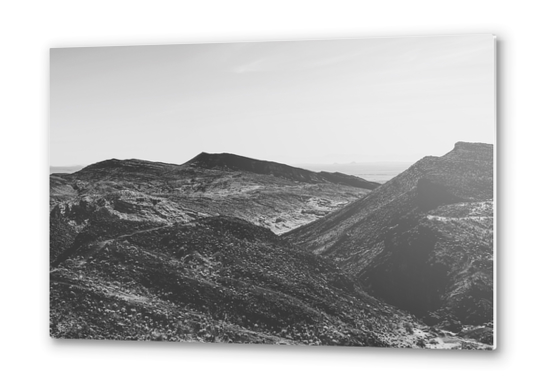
333 192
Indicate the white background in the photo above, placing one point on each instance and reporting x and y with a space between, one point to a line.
29 29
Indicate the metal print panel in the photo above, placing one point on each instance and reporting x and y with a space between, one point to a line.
335 192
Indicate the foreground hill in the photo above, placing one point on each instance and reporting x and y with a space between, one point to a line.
268 194
424 240
219 280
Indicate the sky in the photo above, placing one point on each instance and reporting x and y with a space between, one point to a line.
294 102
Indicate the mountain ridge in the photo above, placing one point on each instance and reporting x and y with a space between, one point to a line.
423 240
273 195
229 162
145 250
242 163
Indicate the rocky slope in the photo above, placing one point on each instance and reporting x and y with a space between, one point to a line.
423 241
214 279
272 195
154 251
220 279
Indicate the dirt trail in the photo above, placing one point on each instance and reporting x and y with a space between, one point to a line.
141 231
98 246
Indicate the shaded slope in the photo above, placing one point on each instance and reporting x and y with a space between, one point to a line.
419 241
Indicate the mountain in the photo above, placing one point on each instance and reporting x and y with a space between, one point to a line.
272 195
153 251
227 161
220 279
214 279
423 241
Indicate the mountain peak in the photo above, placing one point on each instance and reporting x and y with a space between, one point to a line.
228 161
211 160
470 152
137 167
468 146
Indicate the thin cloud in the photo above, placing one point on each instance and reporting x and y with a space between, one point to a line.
277 63
331 61
253 66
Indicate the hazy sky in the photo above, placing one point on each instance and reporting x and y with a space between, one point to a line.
391 99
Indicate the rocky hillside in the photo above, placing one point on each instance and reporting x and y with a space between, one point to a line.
214 279
423 241
166 193
219 279
154 251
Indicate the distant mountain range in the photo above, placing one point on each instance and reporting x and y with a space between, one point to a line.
147 250
379 172
65 169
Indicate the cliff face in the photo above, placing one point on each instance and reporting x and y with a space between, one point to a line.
424 240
